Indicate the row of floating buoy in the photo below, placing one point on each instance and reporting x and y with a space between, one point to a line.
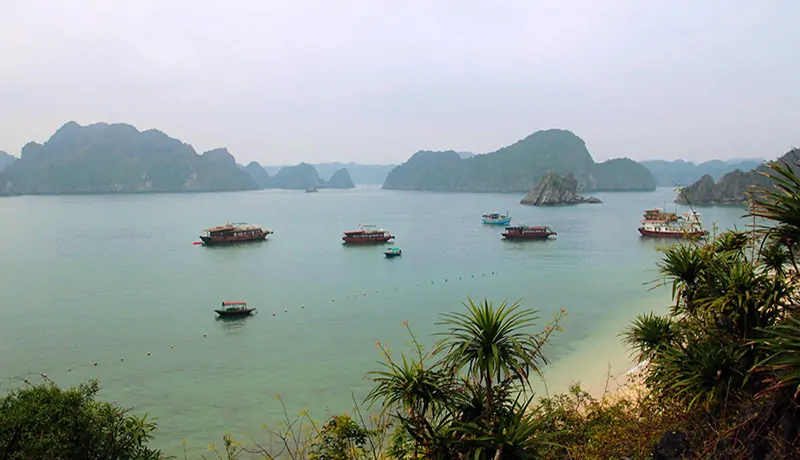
285 310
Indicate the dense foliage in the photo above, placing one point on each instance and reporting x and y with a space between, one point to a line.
518 167
46 422
728 349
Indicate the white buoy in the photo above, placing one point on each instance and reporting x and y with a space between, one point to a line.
285 310
69 370
44 374
122 359
95 363
148 353
273 313
302 306
172 346
204 334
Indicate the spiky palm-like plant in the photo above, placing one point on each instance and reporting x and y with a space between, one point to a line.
493 344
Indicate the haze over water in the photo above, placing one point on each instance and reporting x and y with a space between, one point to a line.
111 278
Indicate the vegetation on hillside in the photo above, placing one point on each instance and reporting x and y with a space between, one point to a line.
109 158
517 167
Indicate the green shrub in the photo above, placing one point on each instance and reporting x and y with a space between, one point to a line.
45 422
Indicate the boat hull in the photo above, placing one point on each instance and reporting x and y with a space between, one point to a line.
371 240
528 236
659 234
497 222
220 240
392 255
232 313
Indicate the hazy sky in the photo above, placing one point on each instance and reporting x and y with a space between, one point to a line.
374 81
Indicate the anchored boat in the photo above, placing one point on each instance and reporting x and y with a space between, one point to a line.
234 309
528 232
367 234
496 218
234 233
658 223
393 252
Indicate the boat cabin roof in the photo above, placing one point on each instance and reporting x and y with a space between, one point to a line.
538 228
230 304
233 226
359 232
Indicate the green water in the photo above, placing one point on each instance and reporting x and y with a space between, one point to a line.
111 278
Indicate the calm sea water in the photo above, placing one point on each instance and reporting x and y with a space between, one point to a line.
113 278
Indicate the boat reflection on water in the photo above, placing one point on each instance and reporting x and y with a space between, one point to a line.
230 324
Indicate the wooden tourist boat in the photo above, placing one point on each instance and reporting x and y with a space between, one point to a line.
234 233
528 232
230 309
657 223
496 218
367 234
393 252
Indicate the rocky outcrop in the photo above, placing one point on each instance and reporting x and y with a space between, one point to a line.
258 173
359 173
517 167
118 158
6 159
298 177
556 190
340 179
735 187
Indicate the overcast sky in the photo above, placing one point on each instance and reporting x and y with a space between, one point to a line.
373 81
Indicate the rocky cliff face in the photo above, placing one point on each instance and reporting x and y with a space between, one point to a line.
734 187
113 158
517 167
555 190
340 179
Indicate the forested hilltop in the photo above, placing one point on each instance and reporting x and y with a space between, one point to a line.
517 167
118 158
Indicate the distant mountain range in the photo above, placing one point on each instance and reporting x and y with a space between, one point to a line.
679 172
113 158
518 167
118 158
302 176
360 173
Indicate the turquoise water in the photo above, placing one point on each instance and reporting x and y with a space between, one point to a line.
113 278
